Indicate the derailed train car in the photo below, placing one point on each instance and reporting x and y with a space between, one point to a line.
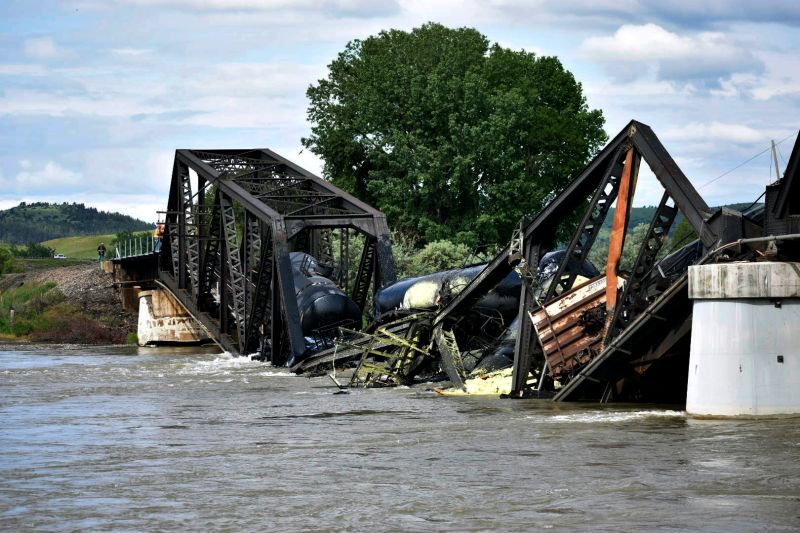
322 304
403 311
441 322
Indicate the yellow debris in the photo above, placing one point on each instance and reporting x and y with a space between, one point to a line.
490 384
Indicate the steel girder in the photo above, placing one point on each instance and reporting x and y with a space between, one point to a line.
599 184
227 244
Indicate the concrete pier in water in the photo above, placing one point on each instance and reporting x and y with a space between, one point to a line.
745 346
163 320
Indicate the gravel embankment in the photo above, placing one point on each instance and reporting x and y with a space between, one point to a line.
87 286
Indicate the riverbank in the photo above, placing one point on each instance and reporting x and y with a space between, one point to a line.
75 303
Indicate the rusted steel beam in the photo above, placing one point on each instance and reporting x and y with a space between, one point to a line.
627 187
586 234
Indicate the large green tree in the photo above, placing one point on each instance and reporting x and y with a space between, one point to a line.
452 138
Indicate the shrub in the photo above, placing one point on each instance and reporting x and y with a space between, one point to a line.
403 251
27 301
6 259
33 250
41 312
64 323
437 256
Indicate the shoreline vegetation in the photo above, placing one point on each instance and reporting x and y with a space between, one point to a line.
62 302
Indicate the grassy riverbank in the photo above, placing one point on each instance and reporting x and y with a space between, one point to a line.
74 303
28 303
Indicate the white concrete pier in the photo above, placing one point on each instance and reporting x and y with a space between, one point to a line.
163 320
745 351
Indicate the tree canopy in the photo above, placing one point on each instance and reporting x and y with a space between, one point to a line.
451 137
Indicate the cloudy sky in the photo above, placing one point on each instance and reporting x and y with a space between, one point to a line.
95 96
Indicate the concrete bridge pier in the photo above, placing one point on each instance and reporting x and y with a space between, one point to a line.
162 320
745 352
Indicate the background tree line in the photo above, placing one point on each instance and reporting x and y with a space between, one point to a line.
41 221
453 138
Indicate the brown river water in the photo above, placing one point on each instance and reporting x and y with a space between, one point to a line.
125 439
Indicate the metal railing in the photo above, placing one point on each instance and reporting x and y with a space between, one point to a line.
137 246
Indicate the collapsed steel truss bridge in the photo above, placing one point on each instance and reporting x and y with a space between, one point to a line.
232 219
611 176
235 216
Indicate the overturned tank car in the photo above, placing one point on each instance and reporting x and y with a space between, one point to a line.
399 348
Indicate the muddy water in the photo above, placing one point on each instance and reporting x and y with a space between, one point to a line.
156 440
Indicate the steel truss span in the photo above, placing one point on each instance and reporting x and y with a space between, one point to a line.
233 219
627 313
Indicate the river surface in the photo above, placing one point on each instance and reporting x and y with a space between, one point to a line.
129 439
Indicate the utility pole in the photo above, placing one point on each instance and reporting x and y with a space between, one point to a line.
775 159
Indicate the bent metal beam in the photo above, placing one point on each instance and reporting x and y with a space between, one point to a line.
597 186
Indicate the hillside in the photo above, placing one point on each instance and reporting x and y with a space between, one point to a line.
37 222
643 215
83 247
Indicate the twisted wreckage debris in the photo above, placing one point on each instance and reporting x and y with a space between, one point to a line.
561 329
258 250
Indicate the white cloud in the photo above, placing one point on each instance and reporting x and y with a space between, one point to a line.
42 48
144 207
787 87
256 80
129 171
635 51
684 13
46 178
638 88
131 52
113 180
22 70
781 79
353 8
244 95
716 132
32 102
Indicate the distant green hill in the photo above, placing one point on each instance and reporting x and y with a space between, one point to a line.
643 215
40 221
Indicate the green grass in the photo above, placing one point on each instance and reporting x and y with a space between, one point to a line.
29 302
84 247
42 314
